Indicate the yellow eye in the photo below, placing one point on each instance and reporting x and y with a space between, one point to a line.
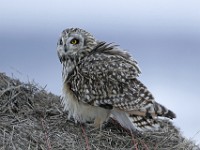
74 41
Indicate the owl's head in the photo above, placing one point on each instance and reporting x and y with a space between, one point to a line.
74 42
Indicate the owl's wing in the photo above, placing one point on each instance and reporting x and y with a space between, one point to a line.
107 78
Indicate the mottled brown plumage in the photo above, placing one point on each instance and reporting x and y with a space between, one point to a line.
100 81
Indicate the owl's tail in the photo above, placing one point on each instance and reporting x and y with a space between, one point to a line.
162 111
141 121
134 122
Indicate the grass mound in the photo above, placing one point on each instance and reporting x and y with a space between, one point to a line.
32 119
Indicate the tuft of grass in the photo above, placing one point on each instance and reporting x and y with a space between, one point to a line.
32 119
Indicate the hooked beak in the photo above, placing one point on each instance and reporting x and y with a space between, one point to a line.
65 48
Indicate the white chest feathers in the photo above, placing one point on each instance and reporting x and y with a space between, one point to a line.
80 111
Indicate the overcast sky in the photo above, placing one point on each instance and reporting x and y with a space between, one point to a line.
163 36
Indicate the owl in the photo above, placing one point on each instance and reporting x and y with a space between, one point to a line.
100 81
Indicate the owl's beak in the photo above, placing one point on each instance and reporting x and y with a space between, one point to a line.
65 48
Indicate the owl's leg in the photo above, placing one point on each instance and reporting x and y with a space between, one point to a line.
99 120
98 123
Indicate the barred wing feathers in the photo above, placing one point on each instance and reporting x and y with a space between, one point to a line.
107 78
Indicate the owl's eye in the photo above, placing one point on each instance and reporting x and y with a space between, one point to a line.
74 41
61 42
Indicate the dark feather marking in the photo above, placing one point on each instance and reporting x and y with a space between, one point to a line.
156 108
106 106
108 48
148 114
165 112
170 114
143 119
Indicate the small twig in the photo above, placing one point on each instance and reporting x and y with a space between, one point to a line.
4 137
134 142
46 135
86 138
9 89
29 144
146 147
156 147
196 134
1 108
12 138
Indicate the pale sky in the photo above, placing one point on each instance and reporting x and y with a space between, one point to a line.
163 36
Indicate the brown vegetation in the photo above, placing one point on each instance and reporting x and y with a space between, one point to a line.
32 119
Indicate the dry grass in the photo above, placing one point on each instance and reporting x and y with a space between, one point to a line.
32 119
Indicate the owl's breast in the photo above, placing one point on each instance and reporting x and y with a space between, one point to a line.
79 110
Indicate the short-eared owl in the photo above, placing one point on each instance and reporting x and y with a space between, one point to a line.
100 81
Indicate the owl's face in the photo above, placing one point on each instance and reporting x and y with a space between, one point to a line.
74 41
